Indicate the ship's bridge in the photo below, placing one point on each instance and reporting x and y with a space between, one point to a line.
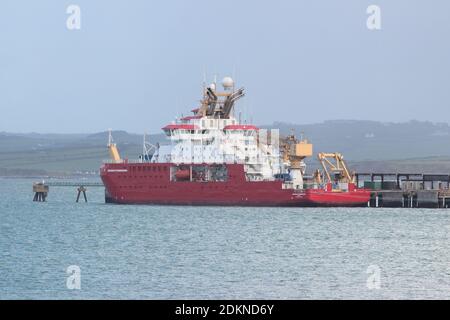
202 125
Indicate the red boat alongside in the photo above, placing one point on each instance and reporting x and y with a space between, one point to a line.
214 159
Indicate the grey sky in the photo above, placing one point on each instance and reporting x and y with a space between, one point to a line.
135 65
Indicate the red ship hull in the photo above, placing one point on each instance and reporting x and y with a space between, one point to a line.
150 183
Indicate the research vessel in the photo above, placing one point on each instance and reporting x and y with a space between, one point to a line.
214 158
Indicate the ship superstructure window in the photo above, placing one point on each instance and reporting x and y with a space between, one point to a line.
218 172
199 173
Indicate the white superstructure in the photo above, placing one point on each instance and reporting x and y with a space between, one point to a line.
214 135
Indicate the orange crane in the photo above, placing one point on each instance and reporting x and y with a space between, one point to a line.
113 151
294 151
333 164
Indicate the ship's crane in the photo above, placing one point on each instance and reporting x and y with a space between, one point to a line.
211 101
113 151
317 176
150 152
334 164
219 104
230 100
294 151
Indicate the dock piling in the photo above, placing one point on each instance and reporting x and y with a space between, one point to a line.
40 190
82 189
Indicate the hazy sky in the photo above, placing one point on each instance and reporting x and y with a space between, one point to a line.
135 65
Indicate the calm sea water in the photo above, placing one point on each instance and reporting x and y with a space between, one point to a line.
155 252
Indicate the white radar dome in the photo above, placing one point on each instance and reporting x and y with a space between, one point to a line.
213 86
227 83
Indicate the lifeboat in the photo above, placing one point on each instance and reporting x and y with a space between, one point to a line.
183 175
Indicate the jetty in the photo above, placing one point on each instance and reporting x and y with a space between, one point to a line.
406 190
41 189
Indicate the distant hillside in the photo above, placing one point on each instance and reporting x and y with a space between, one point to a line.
416 165
371 140
14 142
367 146
55 154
